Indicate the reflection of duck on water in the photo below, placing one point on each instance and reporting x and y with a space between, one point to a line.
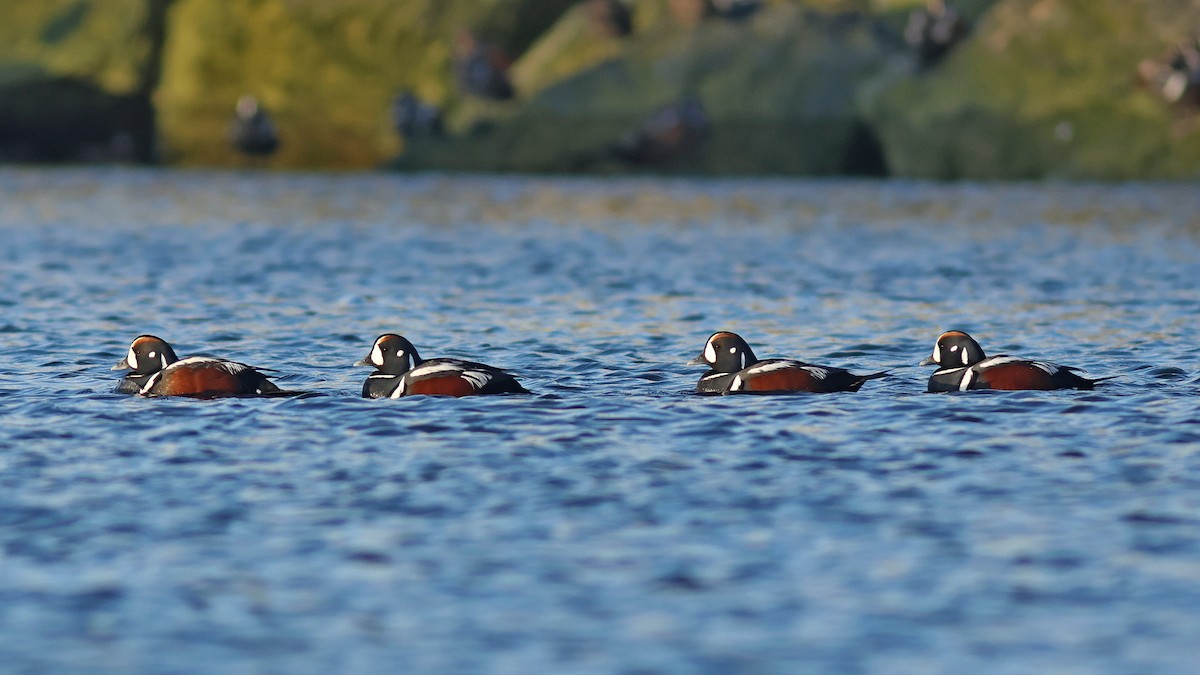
669 133
253 131
414 118
1175 76
934 31
481 69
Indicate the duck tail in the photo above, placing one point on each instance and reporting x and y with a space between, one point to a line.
861 379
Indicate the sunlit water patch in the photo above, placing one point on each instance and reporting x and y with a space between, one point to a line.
611 521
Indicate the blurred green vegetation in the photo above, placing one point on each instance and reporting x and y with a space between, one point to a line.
1040 88
1046 88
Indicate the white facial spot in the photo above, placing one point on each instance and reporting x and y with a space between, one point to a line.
953 348
377 355
710 352
937 352
131 359
966 359
742 360
152 355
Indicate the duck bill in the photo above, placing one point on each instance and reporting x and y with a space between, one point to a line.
928 361
698 361
123 364
364 362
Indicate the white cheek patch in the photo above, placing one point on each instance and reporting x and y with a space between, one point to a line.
376 355
131 359
965 359
937 352
710 352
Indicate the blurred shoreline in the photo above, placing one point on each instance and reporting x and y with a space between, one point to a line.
998 90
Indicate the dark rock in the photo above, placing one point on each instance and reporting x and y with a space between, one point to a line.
77 79
72 120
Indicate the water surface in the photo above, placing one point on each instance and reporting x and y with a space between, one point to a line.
612 522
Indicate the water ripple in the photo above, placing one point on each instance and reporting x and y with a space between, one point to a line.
612 521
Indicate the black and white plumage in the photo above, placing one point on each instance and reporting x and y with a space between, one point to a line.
1175 76
253 131
414 118
963 366
610 17
671 133
481 69
157 371
400 371
734 369
735 9
933 31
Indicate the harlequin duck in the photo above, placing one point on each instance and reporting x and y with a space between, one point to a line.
482 68
157 371
934 31
414 118
963 366
400 371
610 17
1175 76
253 132
671 133
735 369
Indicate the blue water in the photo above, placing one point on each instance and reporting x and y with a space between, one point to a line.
612 522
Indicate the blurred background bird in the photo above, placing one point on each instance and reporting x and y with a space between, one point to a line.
253 132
